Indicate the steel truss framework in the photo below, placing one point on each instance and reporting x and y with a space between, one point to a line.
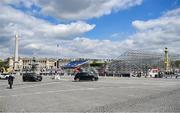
134 61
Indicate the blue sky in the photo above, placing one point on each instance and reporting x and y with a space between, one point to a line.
117 25
121 22
87 28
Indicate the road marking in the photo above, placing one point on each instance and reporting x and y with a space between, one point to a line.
70 90
31 86
58 91
38 85
47 92
57 82
160 84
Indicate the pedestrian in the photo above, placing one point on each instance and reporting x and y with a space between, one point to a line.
57 76
10 80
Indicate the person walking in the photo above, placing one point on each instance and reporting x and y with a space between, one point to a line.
10 80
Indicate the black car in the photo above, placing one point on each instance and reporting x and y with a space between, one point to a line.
31 77
86 76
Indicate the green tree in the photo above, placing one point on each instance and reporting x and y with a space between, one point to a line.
3 64
96 64
177 63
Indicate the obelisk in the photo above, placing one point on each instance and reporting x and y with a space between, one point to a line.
16 53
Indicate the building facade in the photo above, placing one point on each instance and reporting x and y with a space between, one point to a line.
25 63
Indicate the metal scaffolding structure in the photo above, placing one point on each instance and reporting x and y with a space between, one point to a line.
135 61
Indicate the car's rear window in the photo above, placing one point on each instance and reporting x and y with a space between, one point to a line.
4 74
82 74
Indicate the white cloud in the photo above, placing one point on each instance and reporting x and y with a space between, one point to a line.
175 12
83 9
39 37
158 33
33 30
78 47
169 20
25 3
12 20
76 9
157 23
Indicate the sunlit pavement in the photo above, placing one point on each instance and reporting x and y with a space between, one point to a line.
109 94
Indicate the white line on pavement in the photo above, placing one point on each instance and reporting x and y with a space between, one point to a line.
66 90
58 91
31 86
47 92
160 84
37 85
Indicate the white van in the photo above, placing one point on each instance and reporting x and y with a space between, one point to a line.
4 76
153 72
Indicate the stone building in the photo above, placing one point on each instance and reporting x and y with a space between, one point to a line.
25 63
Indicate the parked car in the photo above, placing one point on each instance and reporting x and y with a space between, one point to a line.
4 76
31 77
86 76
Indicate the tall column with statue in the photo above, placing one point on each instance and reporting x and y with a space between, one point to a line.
166 61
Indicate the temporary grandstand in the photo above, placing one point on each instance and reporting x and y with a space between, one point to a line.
138 61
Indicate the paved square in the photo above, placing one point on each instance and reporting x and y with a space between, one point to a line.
106 95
